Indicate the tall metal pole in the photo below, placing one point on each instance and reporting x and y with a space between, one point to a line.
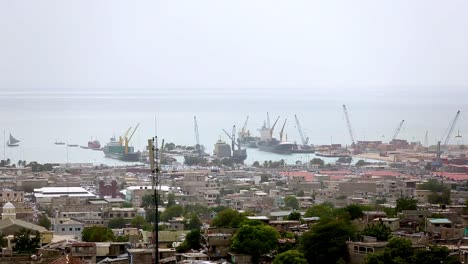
152 149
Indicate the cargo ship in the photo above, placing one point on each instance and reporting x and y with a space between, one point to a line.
276 146
94 144
120 149
268 143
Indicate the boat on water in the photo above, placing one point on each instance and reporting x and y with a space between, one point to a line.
276 146
72 145
59 143
94 144
268 143
120 149
332 155
12 141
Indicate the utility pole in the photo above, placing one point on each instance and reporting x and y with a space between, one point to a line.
155 156
151 150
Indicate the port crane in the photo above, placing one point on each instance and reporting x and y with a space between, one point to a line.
122 138
282 130
397 131
305 140
243 132
273 127
127 139
349 124
232 137
197 137
450 130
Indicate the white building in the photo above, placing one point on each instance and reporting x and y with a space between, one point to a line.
45 195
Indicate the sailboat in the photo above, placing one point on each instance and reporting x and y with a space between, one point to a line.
12 142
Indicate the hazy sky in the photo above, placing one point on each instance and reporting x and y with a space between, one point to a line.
398 46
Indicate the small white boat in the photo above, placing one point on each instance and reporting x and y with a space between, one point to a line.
13 142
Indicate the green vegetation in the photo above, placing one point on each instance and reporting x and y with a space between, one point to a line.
440 194
37 167
171 212
26 241
97 234
195 160
324 211
406 204
138 222
400 251
290 257
294 216
192 241
194 222
44 221
117 222
291 202
326 241
317 161
170 200
379 231
255 240
361 163
228 218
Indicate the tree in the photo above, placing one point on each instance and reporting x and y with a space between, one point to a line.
228 218
169 146
317 161
379 231
117 222
291 202
323 211
97 234
138 222
44 221
193 223
171 212
26 241
290 257
361 163
256 164
435 255
170 200
127 205
330 235
300 193
147 201
3 240
406 204
397 251
294 216
192 241
255 240
354 210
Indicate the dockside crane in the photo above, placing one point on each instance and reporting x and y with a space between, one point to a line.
232 137
273 127
450 129
122 138
282 130
349 124
127 139
197 137
397 131
305 140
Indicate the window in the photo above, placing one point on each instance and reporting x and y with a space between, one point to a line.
63 229
70 229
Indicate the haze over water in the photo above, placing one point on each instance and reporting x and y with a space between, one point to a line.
72 70
40 118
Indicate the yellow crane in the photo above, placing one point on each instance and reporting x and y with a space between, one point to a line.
121 138
127 140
